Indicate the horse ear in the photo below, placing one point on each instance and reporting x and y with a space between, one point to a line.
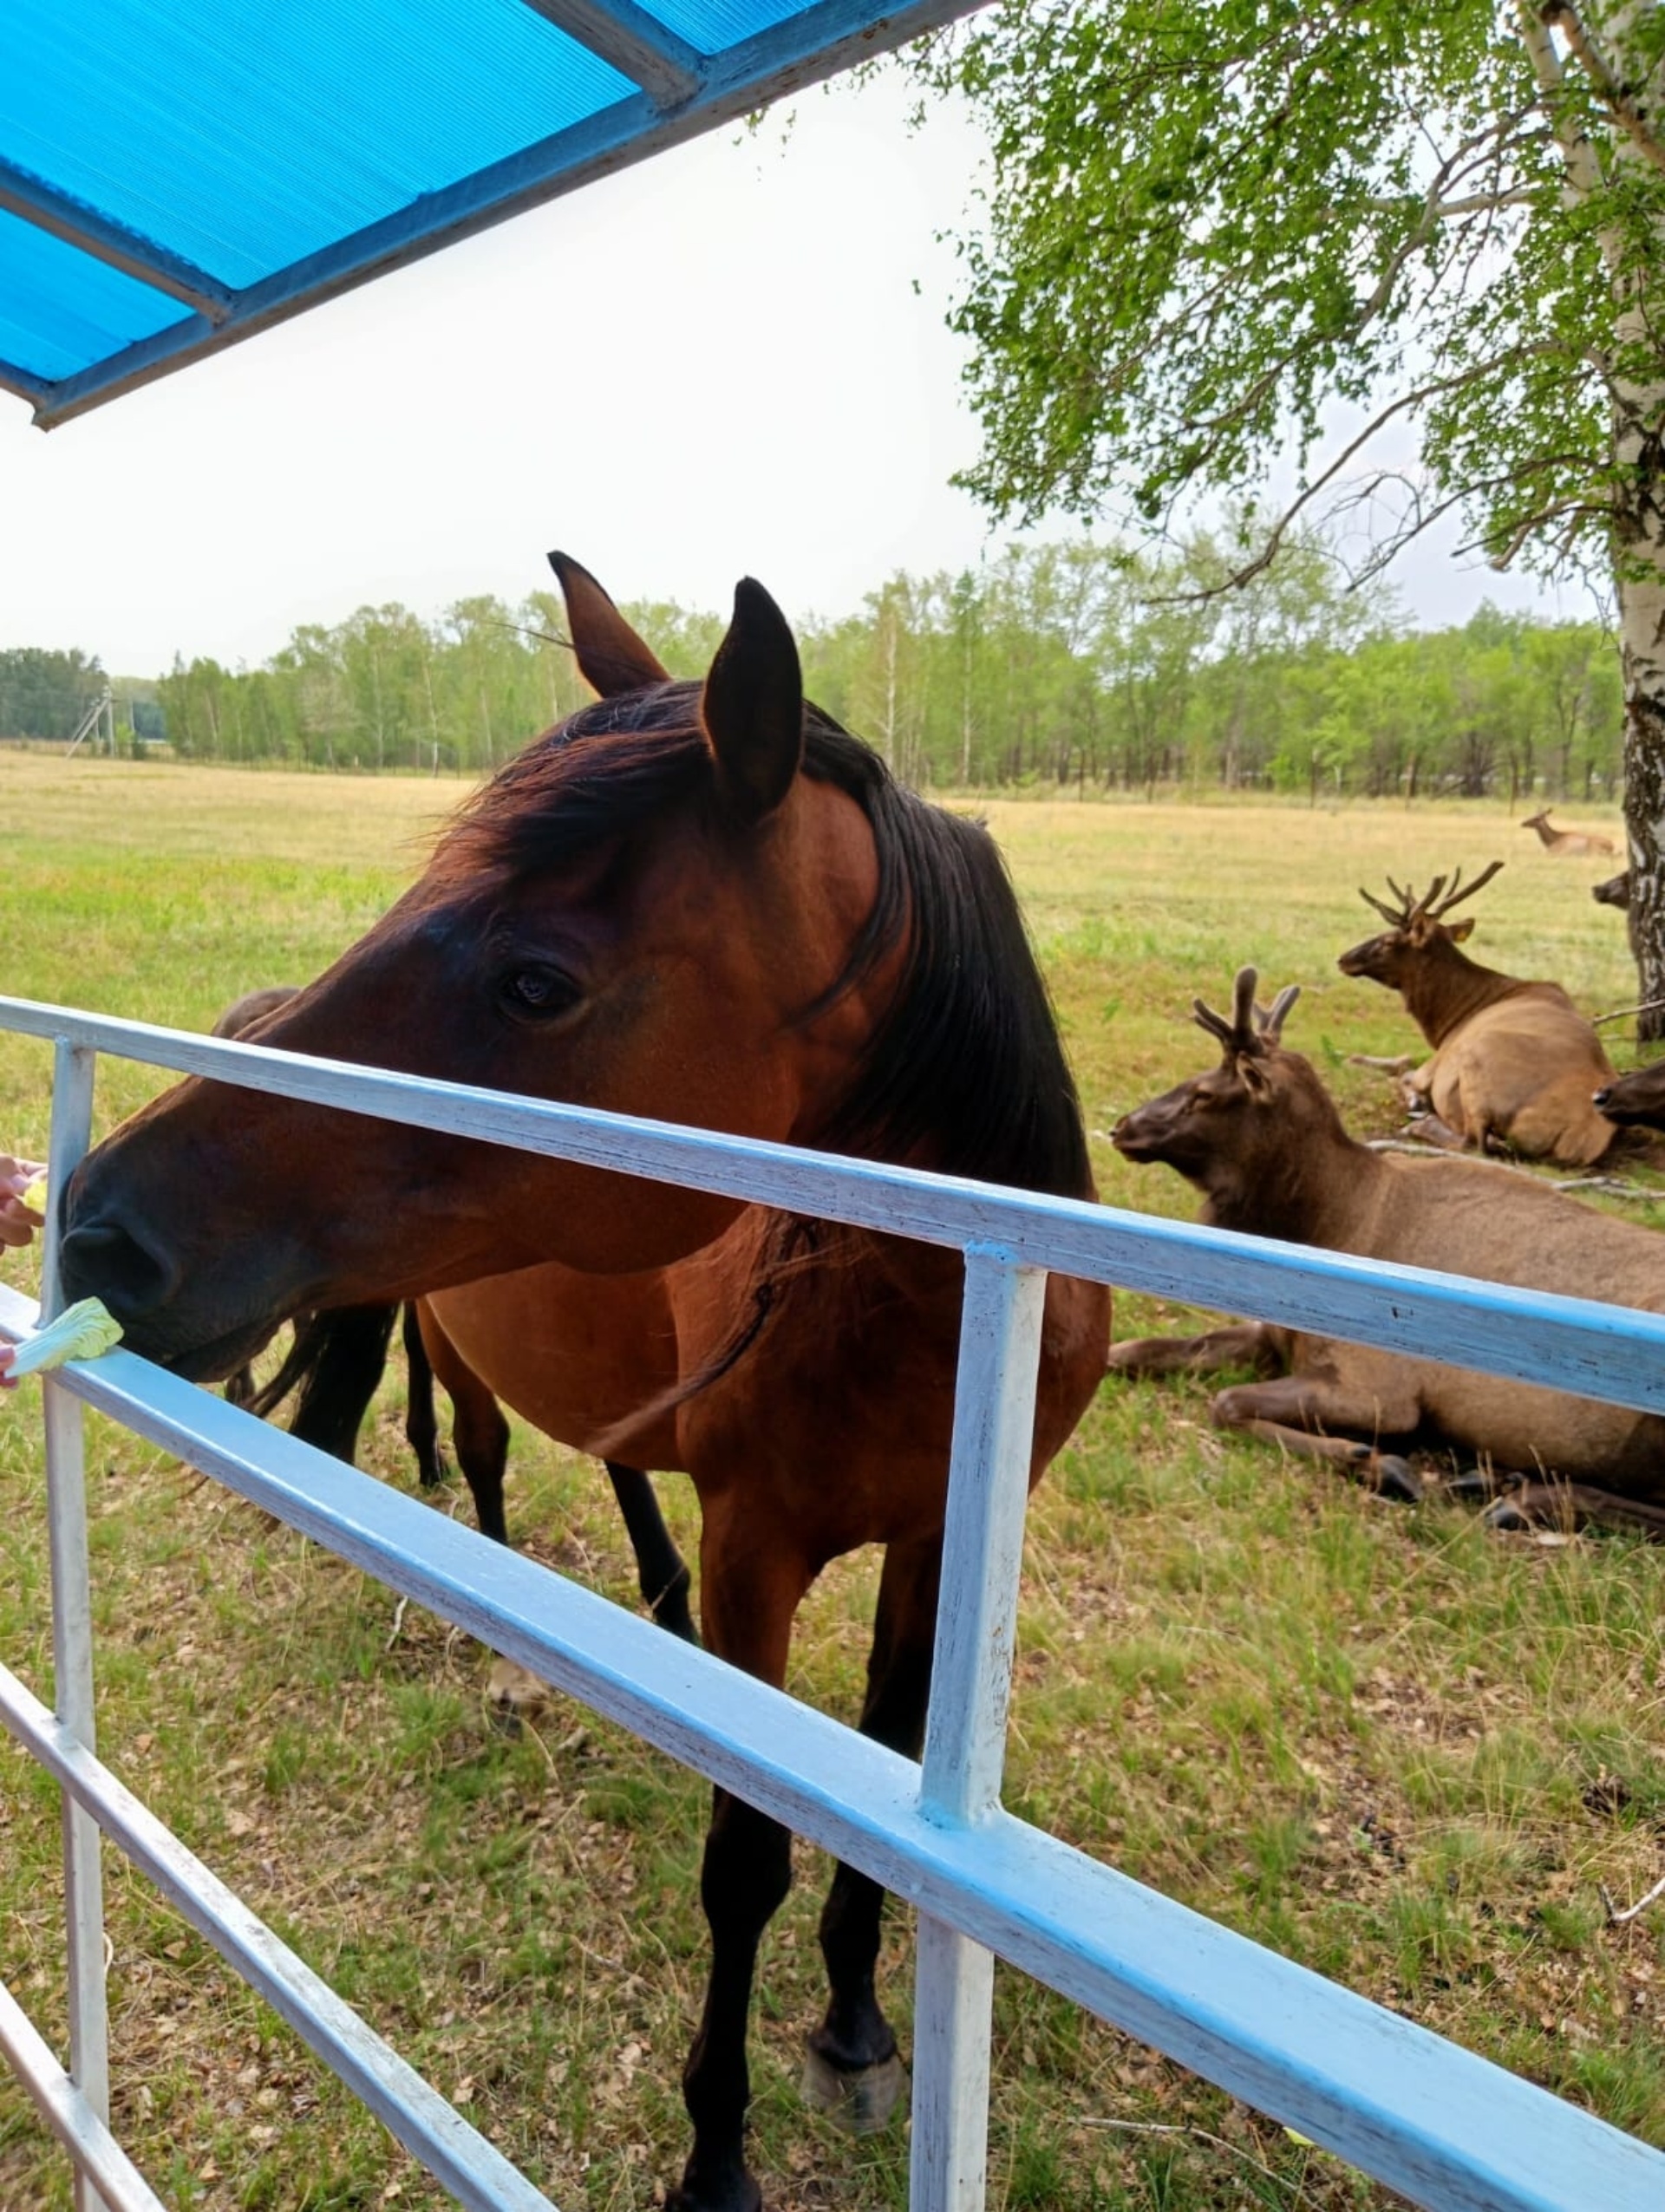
612 657
753 707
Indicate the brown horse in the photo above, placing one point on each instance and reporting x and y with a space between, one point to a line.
334 1367
709 903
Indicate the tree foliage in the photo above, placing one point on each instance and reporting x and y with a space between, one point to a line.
45 694
1082 664
1414 259
1210 221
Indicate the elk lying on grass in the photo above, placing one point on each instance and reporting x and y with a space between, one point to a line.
1261 1139
1636 1100
1568 845
1514 1063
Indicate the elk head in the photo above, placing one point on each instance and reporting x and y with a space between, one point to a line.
1244 1132
1636 1100
1615 891
1415 926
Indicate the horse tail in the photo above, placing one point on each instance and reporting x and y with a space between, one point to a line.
335 1362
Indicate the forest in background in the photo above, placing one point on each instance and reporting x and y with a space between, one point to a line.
1077 664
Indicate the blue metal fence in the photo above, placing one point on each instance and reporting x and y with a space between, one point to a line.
1444 2128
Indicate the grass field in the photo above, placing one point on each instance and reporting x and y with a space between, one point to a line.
1397 1749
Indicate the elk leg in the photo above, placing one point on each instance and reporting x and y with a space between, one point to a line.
1417 1089
422 1423
661 1570
750 1586
1246 1344
1427 1127
852 2067
1297 1414
1574 1506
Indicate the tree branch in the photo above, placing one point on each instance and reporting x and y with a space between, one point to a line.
1484 203
1591 510
1621 104
1584 175
1476 372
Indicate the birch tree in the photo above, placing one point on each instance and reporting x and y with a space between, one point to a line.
1411 261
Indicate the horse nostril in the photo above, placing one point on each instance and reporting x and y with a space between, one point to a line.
105 1260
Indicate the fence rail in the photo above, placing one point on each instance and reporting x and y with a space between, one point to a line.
1446 2128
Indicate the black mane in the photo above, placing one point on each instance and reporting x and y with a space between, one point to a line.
966 1072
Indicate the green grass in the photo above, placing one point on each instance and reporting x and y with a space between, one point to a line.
1394 1748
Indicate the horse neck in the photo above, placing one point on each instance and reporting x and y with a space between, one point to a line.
964 1072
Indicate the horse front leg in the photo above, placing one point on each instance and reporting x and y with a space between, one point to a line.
852 2067
749 1591
479 1432
421 1420
347 1351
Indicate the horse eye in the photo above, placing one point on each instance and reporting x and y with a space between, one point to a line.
538 990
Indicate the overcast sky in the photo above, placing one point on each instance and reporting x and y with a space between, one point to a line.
730 360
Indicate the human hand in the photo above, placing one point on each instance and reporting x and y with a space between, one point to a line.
8 1380
18 1223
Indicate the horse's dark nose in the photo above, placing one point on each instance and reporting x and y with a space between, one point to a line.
102 1259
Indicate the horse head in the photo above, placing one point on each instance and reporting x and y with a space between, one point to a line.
652 909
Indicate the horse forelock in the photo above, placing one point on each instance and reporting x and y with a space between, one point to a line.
965 1071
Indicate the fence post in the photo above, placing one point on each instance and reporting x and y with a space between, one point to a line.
72 1621
965 1736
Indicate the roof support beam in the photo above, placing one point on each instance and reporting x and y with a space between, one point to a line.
111 242
828 36
35 389
635 43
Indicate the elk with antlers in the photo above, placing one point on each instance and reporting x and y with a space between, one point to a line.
1260 1137
1514 1063
1568 845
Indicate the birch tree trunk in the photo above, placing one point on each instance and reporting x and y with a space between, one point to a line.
1640 556
1639 571
1637 534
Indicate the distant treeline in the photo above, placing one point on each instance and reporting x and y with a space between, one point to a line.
44 695
1070 664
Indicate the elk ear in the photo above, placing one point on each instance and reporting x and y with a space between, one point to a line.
753 705
612 657
1458 930
1251 1074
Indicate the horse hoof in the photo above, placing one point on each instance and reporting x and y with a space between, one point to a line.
1507 1518
860 2098
514 1694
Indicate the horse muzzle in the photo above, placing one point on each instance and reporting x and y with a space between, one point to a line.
105 1259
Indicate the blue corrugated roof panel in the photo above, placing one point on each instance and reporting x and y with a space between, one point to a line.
60 310
244 135
177 174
